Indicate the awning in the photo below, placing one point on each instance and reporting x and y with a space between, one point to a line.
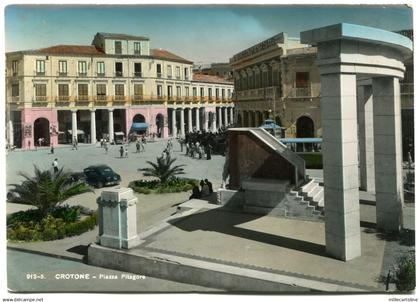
78 131
119 133
139 126
301 140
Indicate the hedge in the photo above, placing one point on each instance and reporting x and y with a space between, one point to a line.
174 185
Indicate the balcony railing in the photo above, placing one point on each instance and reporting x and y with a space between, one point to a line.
82 98
40 73
138 74
302 92
119 98
101 74
137 98
62 74
39 98
62 98
101 98
14 99
82 74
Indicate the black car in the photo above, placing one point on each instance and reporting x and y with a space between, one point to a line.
101 175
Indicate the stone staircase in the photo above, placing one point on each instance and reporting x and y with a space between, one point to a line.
279 199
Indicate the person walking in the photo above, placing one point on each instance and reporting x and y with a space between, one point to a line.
126 152
106 147
55 165
137 147
52 148
121 151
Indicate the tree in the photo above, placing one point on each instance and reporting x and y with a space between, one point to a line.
46 189
162 169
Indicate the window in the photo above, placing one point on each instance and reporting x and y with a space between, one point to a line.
202 92
137 69
169 91
194 92
40 67
62 68
118 69
15 66
187 91
15 90
186 73
138 91
178 72
210 94
118 47
100 68
217 93
158 70
178 92
82 68
137 48
119 92
159 91
101 92
63 92
41 92
229 95
302 79
169 71
223 94
82 92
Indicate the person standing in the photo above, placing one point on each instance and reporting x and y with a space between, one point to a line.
121 151
126 152
52 148
137 147
210 185
55 165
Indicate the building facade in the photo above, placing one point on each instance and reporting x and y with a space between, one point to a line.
93 91
278 79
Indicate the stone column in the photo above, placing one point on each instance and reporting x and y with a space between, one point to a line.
225 121
174 130
205 122
197 118
231 115
111 124
220 117
10 133
92 126
388 157
366 148
341 171
189 119
213 124
73 124
182 123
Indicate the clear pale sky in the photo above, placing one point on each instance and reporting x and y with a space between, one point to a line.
202 34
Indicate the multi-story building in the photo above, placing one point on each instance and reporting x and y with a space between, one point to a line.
117 84
279 78
223 70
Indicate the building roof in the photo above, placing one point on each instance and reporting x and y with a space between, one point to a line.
70 50
122 36
164 54
199 77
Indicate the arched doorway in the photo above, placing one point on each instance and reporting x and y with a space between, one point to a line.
41 132
139 118
304 127
159 124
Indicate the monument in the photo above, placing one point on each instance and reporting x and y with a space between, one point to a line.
349 56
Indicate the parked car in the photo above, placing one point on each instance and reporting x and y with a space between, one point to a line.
101 175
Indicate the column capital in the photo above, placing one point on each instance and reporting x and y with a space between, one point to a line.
110 109
92 110
74 110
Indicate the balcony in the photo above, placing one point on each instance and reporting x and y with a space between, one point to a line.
62 74
299 92
14 99
118 73
258 93
82 100
101 99
119 99
100 74
40 73
62 99
138 74
82 74
159 75
137 99
40 101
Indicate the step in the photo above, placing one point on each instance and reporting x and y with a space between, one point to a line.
321 202
307 186
317 197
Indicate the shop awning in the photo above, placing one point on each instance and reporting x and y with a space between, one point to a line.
139 126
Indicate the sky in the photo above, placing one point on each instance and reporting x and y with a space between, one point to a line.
202 34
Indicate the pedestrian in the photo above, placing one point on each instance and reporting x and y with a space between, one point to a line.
210 185
76 142
52 148
126 152
142 146
204 189
208 150
55 165
121 151
106 147
29 145
137 147
195 192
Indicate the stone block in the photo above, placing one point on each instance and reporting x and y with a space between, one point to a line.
341 201
342 224
384 125
389 202
229 198
389 221
385 144
343 248
118 218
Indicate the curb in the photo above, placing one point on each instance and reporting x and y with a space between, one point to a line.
41 253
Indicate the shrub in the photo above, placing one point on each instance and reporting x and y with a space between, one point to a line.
405 275
173 185
50 228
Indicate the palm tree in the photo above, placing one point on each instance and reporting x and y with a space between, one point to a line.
162 169
46 189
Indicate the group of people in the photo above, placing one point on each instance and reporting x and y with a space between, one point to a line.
206 189
197 148
140 144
